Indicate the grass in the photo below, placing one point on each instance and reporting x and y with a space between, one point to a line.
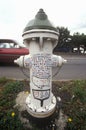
72 93
9 90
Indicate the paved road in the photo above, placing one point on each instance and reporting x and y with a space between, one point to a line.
75 68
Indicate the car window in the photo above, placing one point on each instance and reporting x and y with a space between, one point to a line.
4 45
8 45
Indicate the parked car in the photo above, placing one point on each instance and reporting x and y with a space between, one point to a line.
11 50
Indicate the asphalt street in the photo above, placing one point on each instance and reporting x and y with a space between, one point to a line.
75 68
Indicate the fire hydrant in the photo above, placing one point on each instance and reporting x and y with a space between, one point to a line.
40 37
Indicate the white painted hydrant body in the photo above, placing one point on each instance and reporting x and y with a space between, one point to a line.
40 39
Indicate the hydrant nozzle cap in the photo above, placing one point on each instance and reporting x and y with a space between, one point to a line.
40 22
41 15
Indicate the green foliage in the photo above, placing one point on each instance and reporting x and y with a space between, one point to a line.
73 94
69 42
64 38
77 113
80 91
64 34
8 115
78 40
76 109
3 80
13 87
9 121
9 92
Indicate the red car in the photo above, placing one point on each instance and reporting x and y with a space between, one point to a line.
10 50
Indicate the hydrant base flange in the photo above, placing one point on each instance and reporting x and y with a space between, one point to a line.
41 112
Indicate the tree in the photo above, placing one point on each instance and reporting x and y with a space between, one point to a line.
64 38
78 40
83 36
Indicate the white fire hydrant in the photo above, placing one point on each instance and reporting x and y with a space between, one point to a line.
40 37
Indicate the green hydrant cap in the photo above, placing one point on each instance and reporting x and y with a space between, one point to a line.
40 22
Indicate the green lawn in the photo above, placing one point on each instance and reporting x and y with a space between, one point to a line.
72 93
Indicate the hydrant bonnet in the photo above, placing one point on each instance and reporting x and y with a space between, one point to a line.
40 29
40 22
